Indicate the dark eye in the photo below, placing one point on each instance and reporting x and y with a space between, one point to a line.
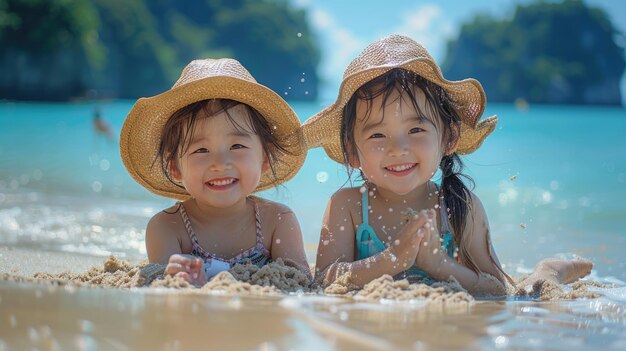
377 135
201 150
237 146
415 130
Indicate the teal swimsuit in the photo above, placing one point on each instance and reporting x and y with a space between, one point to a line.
368 244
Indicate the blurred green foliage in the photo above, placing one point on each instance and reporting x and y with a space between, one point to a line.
547 53
61 49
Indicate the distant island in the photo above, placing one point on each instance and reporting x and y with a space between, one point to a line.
548 52
560 53
75 49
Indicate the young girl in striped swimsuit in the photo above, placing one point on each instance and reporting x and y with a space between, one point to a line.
210 142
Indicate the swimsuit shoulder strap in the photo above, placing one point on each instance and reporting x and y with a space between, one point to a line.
366 240
187 222
257 222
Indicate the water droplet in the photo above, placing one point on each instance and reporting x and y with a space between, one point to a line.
325 242
397 242
105 165
96 186
277 241
390 209
554 185
299 35
301 80
342 228
322 176
501 342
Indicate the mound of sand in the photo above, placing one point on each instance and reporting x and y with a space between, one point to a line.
282 277
387 288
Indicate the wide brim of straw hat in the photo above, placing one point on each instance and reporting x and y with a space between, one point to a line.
467 97
141 132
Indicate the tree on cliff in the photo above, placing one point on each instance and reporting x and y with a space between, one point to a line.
48 47
55 50
548 53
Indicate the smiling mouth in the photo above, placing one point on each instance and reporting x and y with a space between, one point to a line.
403 168
221 182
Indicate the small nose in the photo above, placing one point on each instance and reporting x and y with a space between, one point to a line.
220 161
397 146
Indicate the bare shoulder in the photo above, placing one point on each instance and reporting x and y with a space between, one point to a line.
165 235
166 224
477 213
271 208
274 216
347 198
167 218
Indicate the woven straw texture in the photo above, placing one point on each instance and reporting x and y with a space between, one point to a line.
396 51
200 80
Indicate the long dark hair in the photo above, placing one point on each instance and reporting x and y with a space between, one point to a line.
179 129
456 194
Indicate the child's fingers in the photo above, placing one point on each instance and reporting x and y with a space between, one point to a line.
416 221
196 264
185 260
173 268
185 276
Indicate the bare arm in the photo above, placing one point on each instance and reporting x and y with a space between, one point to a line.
161 239
336 249
287 238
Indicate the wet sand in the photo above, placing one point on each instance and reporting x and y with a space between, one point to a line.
57 310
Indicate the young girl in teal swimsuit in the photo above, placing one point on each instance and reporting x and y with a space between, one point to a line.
210 142
398 121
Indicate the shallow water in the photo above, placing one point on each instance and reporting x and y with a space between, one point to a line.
35 316
552 180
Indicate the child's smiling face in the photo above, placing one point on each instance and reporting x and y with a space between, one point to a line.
398 149
224 161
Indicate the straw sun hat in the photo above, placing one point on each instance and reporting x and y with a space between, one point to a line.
201 80
396 51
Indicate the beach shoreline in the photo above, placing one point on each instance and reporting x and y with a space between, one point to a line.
197 318
26 262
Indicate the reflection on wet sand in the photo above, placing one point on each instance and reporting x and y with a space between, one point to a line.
61 318
120 306
48 317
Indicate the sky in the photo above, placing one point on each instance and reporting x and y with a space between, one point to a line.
345 27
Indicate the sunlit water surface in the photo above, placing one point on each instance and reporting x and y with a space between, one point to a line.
552 179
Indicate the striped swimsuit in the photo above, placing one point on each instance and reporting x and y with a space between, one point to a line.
257 255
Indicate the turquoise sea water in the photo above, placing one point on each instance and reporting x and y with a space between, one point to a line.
552 179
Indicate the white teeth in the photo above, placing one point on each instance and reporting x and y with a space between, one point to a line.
400 168
222 182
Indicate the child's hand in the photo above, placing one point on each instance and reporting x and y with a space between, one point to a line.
187 267
430 256
408 241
